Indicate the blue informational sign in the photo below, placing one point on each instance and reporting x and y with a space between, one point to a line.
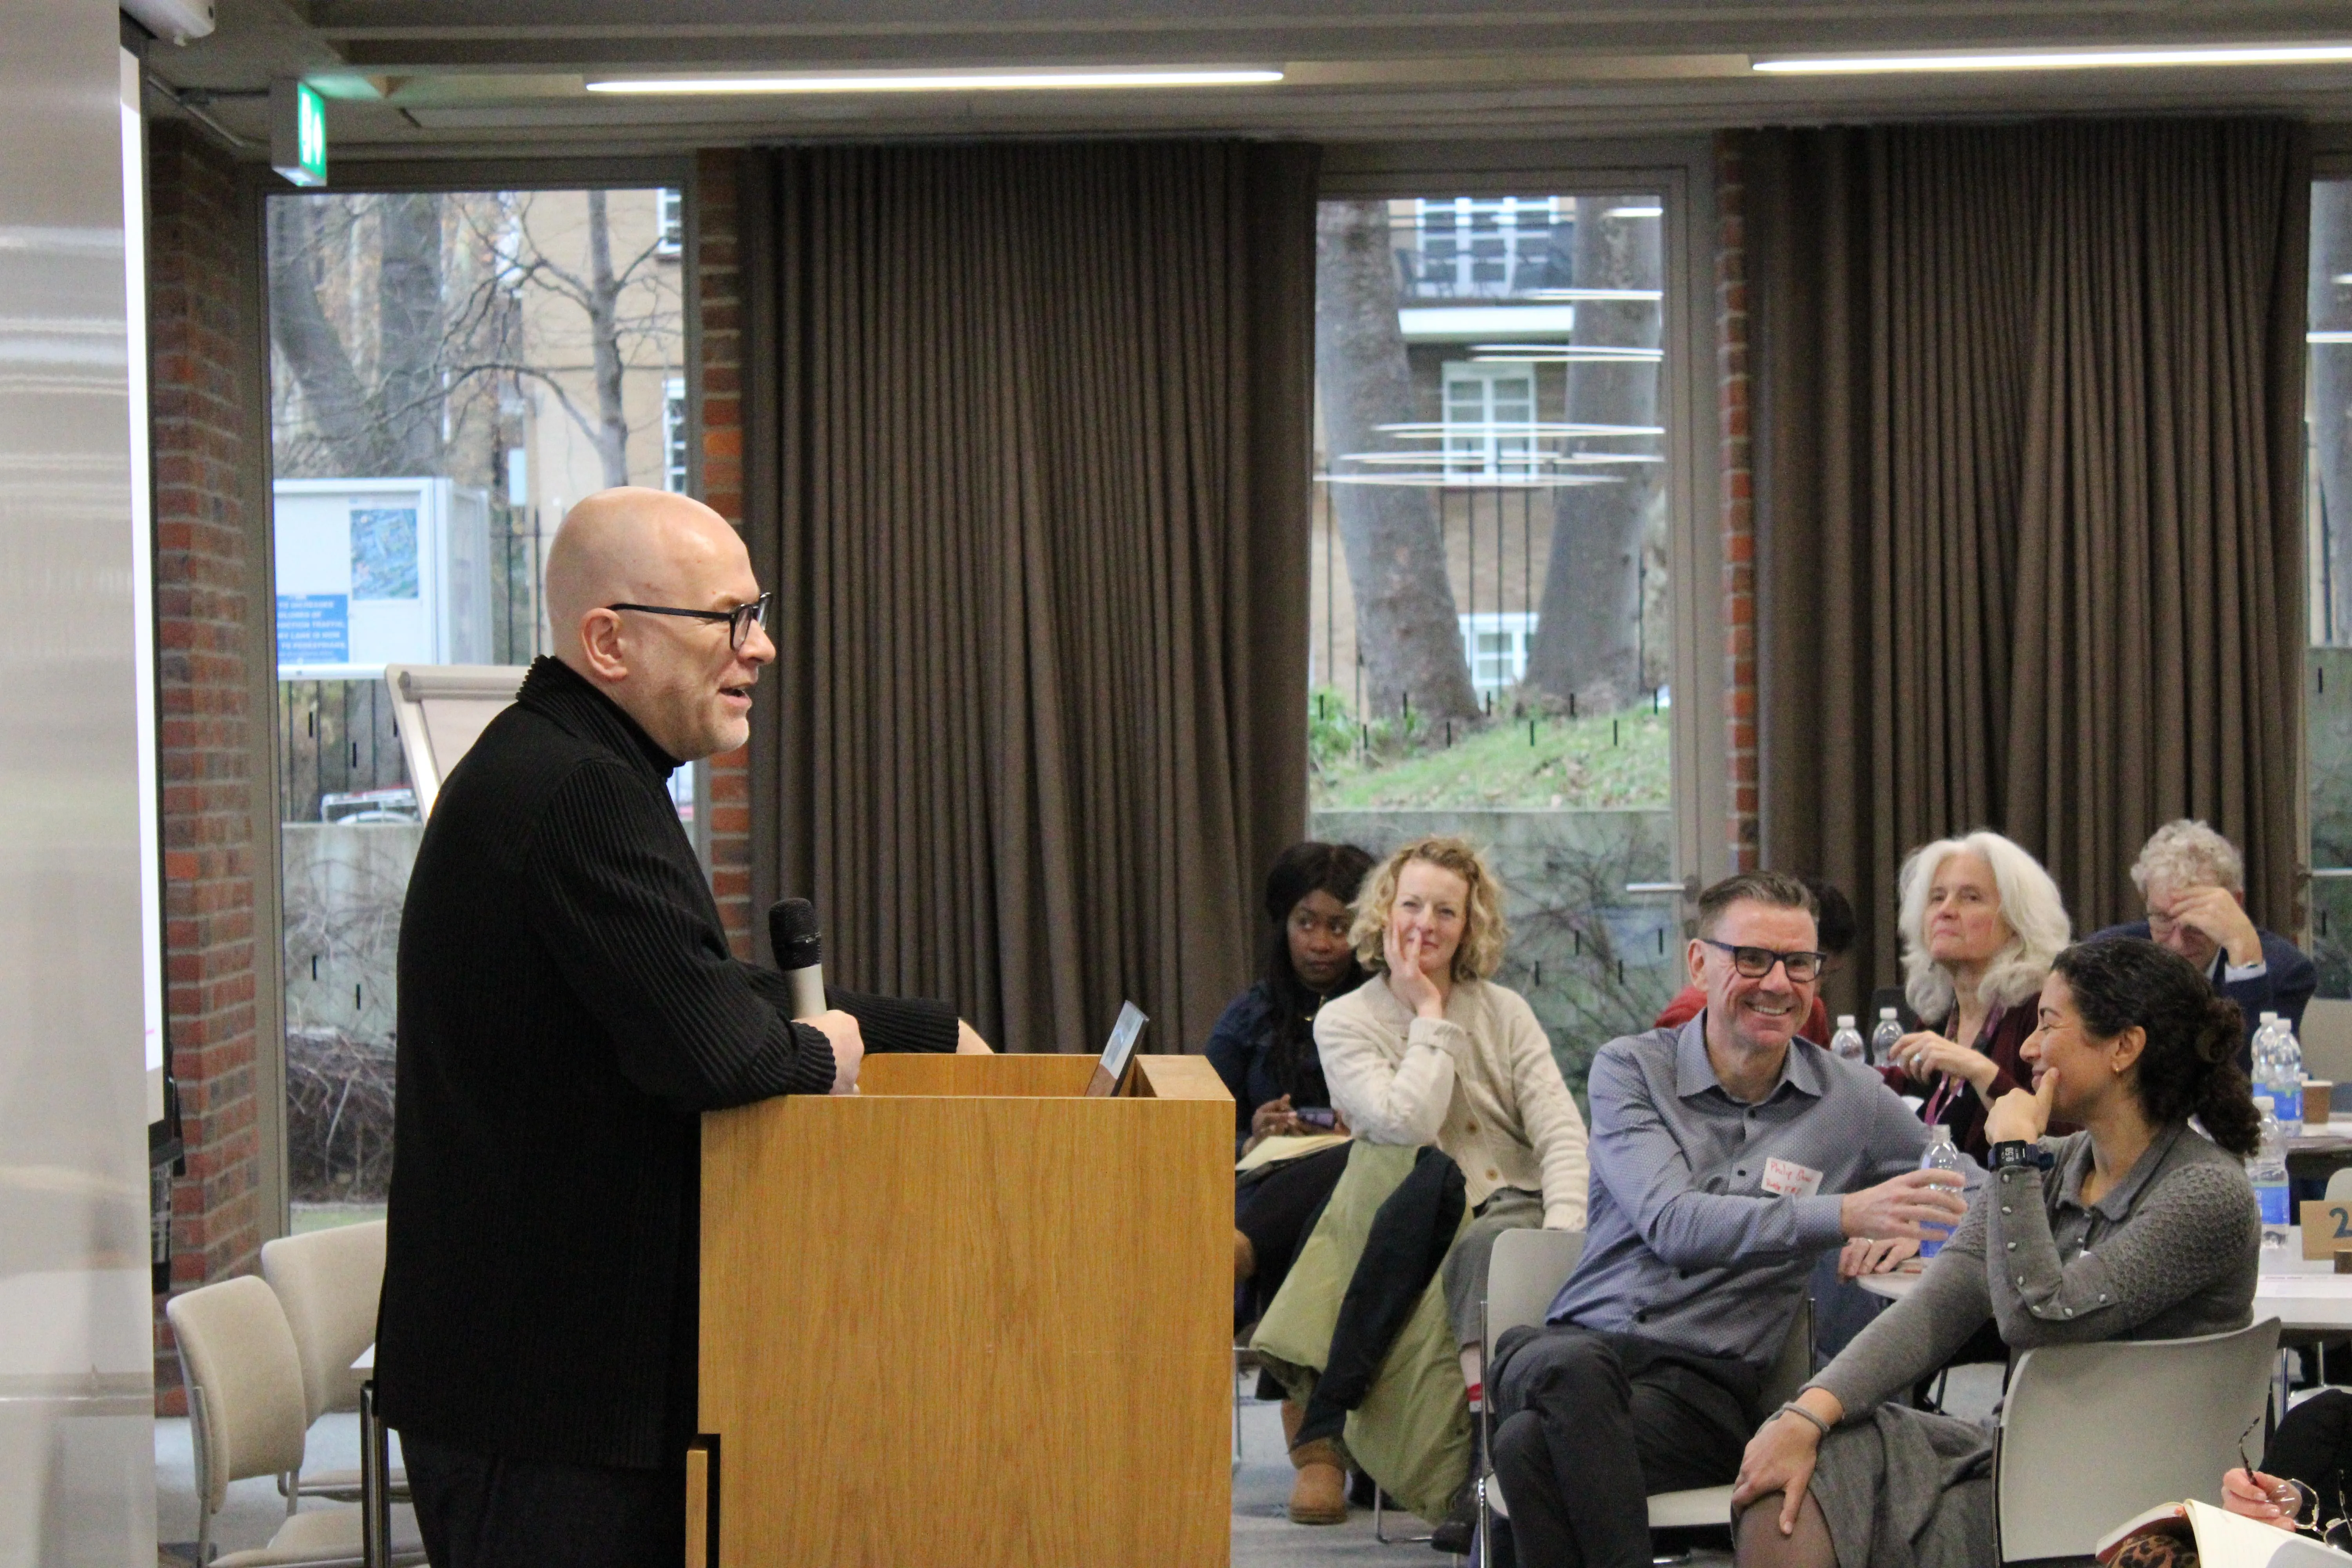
314 629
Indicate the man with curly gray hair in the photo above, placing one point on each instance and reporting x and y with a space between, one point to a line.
2194 883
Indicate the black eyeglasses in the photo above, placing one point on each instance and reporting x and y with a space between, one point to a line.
1756 963
738 620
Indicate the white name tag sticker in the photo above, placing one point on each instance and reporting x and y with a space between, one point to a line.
1791 1180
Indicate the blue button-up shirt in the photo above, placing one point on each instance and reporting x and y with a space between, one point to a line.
1685 1241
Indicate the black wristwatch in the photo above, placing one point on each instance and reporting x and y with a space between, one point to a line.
2018 1154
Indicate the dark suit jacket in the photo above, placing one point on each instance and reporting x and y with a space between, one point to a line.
2288 980
568 1007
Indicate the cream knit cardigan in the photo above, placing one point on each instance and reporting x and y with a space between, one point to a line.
1480 1083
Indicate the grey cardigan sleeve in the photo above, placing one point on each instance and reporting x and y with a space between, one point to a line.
1921 1331
2184 1234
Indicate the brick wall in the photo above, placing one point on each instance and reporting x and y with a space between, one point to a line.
718 298
1738 503
196 303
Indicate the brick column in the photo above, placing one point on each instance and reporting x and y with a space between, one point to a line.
196 254
717 298
1738 502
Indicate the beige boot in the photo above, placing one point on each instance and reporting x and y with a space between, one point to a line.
1319 1495
1245 1258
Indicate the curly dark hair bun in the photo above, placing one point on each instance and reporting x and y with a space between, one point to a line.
2189 1067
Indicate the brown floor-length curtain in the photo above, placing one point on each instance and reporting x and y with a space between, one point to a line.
2028 410
1028 456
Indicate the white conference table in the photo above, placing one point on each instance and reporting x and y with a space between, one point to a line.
2304 1294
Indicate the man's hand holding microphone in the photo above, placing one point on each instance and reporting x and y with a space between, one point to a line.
800 953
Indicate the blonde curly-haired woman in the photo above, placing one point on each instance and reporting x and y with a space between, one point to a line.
1432 1055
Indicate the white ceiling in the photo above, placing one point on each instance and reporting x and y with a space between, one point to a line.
448 78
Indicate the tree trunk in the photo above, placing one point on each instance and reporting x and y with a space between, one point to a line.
408 300
2331 392
604 334
1406 628
341 417
1588 639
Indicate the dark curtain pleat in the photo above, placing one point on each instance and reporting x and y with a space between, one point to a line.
2029 516
1029 447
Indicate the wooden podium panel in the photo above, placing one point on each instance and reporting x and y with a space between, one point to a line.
968 1318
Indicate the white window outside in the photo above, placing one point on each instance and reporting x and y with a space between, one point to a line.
674 424
669 220
1482 247
1490 421
1497 644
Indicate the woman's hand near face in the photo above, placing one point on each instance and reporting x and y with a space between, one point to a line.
1923 1054
2022 1115
1405 952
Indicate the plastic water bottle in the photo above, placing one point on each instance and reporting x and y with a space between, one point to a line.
2267 1171
1941 1156
1847 1041
2287 1059
1883 1039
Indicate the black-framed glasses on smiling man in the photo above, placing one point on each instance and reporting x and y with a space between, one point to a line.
1756 963
739 620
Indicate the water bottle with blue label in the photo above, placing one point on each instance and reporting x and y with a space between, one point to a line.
1847 1041
1941 1155
2288 1095
2267 1172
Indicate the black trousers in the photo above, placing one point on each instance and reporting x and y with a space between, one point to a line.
1590 1424
1411 1233
477 1510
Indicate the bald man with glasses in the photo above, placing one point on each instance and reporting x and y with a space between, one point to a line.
568 1007
1728 1156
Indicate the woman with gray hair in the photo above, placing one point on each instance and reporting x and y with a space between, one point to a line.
1980 922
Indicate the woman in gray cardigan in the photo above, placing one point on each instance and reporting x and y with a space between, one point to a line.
2138 1228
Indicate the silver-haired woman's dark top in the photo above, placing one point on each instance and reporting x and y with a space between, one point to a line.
2168 1252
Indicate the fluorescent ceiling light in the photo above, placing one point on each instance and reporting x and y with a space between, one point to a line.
1650 210
2064 59
1047 78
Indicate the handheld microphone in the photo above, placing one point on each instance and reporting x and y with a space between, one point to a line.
800 952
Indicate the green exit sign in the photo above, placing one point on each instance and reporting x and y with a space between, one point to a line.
298 132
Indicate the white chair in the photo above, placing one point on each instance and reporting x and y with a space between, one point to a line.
246 1417
1697 1507
328 1281
1524 1273
2091 1434
1527 1271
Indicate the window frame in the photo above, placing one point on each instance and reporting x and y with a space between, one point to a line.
257 477
1681 170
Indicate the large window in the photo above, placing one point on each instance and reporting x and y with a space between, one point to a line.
1491 650
450 372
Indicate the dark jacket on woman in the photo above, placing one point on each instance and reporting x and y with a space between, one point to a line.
1245 1048
568 1007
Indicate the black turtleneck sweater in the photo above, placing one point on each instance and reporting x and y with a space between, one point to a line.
568 1007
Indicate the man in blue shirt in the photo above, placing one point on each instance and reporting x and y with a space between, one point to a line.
1728 1156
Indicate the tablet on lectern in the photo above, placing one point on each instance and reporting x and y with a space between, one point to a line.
1118 1052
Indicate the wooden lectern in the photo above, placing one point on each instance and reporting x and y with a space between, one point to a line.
969 1319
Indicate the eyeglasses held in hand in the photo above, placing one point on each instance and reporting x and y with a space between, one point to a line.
739 620
1756 963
